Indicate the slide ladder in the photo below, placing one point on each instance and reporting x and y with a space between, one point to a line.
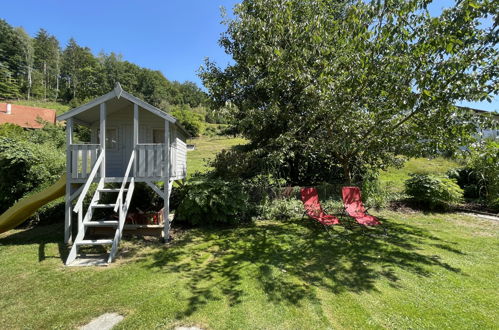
116 221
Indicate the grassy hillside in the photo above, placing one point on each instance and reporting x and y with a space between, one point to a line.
393 178
58 107
206 149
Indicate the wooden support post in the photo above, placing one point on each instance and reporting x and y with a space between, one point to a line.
135 135
68 237
103 115
166 181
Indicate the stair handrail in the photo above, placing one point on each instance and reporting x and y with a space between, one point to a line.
119 199
121 222
93 173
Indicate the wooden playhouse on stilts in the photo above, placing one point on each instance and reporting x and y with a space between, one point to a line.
131 141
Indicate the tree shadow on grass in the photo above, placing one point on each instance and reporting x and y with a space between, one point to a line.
288 259
41 235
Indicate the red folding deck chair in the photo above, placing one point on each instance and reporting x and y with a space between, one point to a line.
313 209
352 200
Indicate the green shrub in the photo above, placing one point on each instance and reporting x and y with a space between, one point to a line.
208 200
52 212
26 167
483 163
494 204
30 160
281 209
469 180
374 194
433 192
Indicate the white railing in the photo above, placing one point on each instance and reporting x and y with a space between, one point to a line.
79 204
83 158
150 160
119 199
122 207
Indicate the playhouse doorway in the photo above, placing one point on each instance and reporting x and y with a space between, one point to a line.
119 146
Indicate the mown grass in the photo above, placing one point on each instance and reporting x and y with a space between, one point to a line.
58 107
394 178
206 149
432 271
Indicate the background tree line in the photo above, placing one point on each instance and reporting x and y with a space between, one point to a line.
39 68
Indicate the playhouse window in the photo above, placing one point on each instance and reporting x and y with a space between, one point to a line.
158 135
111 138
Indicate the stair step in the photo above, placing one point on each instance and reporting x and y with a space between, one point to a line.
94 242
84 260
103 206
101 223
111 190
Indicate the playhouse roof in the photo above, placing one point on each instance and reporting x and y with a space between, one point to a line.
25 116
115 100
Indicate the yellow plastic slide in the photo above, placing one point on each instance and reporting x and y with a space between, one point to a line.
23 209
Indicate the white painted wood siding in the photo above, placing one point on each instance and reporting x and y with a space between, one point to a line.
122 120
181 158
117 158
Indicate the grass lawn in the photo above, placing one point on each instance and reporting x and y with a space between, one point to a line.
433 271
206 148
59 107
393 179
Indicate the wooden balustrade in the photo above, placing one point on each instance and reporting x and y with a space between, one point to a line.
83 157
150 160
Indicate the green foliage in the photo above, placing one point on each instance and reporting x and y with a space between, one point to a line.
11 61
29 161
353 84
145 198
189 118
480 177
293 166
12 131
9 87
52 212
26 166
469 180
210 201
432 191
47 64
214 129
375 193
281 209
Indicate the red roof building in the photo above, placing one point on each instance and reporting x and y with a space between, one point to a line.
24 116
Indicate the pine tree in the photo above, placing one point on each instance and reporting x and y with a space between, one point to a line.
47 58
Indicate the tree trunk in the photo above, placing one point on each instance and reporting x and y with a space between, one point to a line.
45 81
57 80
30 82
56 87
346 172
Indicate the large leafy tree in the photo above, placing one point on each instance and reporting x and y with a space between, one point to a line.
353 84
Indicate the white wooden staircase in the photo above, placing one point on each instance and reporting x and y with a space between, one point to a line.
120 208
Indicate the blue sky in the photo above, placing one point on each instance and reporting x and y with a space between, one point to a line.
171 36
